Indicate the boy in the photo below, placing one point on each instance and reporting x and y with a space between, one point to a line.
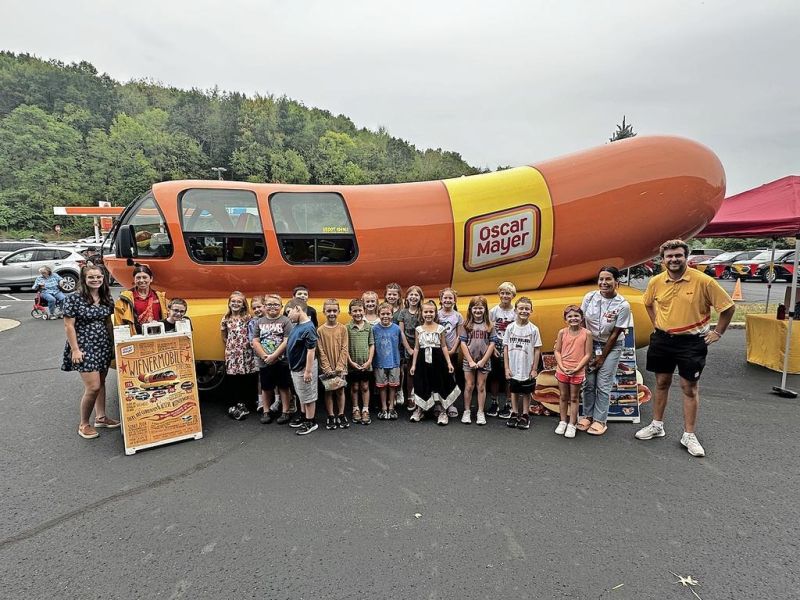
176 311
301 349
370 300
301 292
500 316
387 360
269 344
522 348
332 352
361 351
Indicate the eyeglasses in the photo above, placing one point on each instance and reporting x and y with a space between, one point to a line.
272 305
178 311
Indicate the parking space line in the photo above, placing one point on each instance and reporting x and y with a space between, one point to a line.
13 298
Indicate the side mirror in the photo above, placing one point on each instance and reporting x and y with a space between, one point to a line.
126 242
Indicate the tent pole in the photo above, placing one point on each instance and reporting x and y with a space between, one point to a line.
771 270
782 390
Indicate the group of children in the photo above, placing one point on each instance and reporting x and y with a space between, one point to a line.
404 348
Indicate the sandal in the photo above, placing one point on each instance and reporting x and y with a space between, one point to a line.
365 420
597 428
584 424
87 432
106 421
356 415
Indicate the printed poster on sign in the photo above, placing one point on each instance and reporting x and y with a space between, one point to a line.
627 390
159 402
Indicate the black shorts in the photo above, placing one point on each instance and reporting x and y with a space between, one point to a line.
521 387
667 351
358 376
276 375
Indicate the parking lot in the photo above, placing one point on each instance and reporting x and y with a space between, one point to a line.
395 509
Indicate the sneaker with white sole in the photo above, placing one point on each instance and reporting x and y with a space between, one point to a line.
649 432
307 427
443 418
492 412
466 418
416 417
481 418
570 431
562 427
505 413
452 411
689 441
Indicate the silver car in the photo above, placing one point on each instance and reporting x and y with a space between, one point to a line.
19 269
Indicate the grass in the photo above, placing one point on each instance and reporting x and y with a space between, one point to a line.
745 308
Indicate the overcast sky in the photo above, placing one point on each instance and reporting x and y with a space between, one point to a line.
502 83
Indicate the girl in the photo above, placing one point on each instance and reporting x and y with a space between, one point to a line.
141 304
370 300
392 297
257 305
573 351
431 367
478 342
451 319
239 363
408 318
89 347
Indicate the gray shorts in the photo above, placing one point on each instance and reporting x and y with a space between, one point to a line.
390 377
306 392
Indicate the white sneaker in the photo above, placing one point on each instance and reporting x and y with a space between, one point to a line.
400 398
689 441
260 404
649 432
466 419
416 417
443 418
562 427
481 418
570 432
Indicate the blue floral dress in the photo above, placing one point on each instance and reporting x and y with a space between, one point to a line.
92 334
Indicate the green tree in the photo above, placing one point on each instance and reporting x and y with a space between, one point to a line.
623 131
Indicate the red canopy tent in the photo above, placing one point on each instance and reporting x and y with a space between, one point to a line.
771 210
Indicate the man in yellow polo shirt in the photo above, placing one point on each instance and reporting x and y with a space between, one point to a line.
679 302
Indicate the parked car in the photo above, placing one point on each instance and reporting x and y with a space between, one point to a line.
720 265
9 246
782 269
19 269
698 255
748 269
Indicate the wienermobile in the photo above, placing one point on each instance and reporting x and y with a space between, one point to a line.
547 227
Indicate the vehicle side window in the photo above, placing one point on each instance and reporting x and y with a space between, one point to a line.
46 254
150 229
313 228
21 257
62 254
222 226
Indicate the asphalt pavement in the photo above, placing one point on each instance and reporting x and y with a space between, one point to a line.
395 509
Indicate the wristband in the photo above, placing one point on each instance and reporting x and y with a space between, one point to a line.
717 332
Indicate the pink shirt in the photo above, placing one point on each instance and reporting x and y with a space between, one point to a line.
573 348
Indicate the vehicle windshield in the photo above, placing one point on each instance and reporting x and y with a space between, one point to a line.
767 254
726 256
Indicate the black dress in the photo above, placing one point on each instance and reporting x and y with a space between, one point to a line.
92 334
432 380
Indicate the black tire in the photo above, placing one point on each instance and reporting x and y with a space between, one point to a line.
726 274
69 282
769 276
210 374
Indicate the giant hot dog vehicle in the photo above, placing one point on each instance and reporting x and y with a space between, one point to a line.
547 227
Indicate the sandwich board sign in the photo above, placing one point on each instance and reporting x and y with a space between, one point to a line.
159 402
625 393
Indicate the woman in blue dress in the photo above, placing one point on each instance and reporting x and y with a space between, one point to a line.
89 348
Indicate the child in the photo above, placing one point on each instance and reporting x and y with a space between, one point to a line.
478 341
301 349
370 300
269 343
387 361
431 368
573 350
301 292
391 296
451 319
501 316
361 351
522 347
332 352
239 363
257 306
408 318
176 311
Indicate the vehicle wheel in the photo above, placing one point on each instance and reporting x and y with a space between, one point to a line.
69 282
210 374
38 313
769 277
726 274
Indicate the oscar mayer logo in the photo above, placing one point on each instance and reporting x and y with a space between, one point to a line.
501 237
